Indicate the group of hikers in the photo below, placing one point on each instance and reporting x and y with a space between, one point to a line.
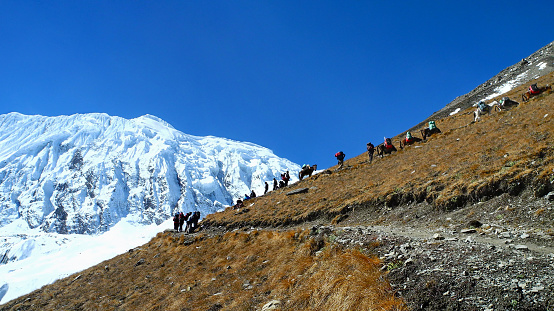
191 218
240 203
385 148
285 177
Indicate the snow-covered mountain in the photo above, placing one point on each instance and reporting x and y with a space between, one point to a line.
83 173
61 177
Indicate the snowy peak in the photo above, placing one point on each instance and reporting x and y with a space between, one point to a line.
83 173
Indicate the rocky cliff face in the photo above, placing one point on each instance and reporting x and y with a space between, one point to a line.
83 173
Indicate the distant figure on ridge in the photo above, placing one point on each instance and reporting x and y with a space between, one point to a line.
193 220
252 194
181 221
340 157
370 151
239 204
266 187
275 186
176 222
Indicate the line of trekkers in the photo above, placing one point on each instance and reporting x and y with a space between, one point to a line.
481 108
387 146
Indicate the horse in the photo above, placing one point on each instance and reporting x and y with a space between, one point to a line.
527 95
426 132
488 108
307 171
382 150
506 103
406 142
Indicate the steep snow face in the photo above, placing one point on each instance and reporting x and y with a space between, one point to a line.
83 173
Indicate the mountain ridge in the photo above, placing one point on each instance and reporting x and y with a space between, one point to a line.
478 195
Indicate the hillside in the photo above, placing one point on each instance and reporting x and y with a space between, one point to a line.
462 221
66 179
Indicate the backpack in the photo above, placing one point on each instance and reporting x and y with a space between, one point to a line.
338 154
408 135
533 88
370 147
432 125
387 142
482 106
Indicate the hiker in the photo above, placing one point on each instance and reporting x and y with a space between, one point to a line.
252 194
189 221
370 151
246 197
239 204
286 178
176 222
340 157
281 184
181 221
266 187
275 184
192 223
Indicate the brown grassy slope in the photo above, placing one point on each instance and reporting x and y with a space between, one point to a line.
234 271
504 152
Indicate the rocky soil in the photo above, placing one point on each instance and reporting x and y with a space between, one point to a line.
475 258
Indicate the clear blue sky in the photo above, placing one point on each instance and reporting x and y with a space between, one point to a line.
303 78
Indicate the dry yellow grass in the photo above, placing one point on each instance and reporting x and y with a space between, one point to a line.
234 271
503 152
242 271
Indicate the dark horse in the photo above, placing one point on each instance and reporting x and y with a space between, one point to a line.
534 90
405 142
382 150
307 171
426 132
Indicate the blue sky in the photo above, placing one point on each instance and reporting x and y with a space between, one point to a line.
303 78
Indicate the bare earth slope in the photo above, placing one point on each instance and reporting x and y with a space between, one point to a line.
463 221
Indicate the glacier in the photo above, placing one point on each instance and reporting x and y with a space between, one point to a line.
64 179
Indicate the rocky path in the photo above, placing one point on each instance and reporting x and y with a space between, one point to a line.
466 270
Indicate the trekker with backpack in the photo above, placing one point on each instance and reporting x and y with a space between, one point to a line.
370 151
181 221
287 178
194 221
340 157
176 222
